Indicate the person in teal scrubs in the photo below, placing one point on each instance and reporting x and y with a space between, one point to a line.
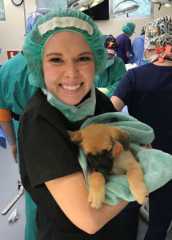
15 92
115 69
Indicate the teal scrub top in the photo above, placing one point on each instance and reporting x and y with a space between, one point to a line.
15 89
109 79
15 92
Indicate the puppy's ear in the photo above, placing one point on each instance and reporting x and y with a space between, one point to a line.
117 149
75 136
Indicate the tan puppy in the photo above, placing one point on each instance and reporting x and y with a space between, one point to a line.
107 151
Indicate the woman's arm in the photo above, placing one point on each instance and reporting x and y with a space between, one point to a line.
48 154
71 195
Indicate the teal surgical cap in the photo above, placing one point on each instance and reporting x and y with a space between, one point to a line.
128 28
58 21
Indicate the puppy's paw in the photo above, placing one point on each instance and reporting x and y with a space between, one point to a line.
96 198
96 194
141 193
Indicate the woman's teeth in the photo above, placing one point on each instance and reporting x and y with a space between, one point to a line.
71 88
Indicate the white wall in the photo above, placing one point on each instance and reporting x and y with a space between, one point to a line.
12 30
113 26
163 11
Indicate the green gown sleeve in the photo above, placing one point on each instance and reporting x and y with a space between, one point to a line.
109 79
15 89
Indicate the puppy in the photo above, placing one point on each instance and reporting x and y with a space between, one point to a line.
108 152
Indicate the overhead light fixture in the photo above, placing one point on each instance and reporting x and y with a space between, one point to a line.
83 5
125 7
165 3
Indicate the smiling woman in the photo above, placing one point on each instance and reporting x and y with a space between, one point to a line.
64 52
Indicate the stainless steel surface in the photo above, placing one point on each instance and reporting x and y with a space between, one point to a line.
13 201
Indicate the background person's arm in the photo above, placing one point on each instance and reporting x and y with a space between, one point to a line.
122 95
71 195
129 51
116 73
7 127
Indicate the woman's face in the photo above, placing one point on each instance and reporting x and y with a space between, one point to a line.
68 66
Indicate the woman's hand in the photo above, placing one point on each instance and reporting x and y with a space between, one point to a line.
117 103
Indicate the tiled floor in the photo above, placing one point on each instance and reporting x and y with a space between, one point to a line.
8 189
